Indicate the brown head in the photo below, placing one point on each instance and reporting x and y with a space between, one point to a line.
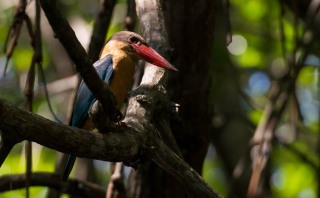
135 46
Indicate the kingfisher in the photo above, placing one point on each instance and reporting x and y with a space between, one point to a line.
116 67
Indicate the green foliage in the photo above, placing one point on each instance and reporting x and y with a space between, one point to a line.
21 193
22 59
119 13
307 77
292 177
213 172
260 33
43 160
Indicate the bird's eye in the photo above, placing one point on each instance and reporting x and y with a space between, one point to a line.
135 40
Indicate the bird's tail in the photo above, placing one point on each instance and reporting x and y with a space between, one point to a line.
69 166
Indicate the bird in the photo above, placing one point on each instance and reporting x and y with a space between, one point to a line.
116 66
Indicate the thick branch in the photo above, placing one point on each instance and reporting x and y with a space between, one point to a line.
17 124
170 162
125 144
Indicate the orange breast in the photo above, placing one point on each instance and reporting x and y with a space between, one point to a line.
121 83
123 69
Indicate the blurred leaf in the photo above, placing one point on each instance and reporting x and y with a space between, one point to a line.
213 172
255 116
251 58
306 75
291 176
254 10
22 58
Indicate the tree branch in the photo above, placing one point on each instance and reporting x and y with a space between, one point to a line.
100 29
17 125
171 162
125 144
116 187
72 186
68 39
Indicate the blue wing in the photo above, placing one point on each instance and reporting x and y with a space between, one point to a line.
84 101
84 97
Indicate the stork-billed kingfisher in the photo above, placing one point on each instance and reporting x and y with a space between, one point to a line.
116 67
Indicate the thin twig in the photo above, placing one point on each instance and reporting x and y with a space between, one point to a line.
29 91
14 32
45 88
116 187
130 19
29 87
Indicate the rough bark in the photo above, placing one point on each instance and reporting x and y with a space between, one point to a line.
128 143
17 125
191 44
192 40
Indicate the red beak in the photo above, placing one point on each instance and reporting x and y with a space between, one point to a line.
150 55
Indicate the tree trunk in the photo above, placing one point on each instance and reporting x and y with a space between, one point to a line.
192 45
